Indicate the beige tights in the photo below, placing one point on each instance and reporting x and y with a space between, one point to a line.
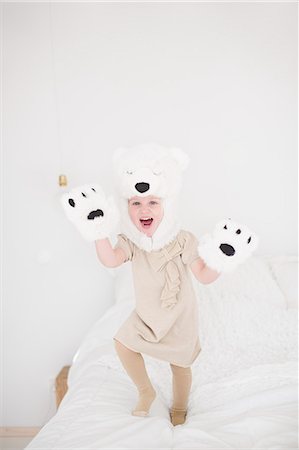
181 385
133 363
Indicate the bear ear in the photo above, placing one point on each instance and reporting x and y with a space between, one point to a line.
181 157
118 155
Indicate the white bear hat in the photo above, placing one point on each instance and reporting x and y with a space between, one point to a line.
150 169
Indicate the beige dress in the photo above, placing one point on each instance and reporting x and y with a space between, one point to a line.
164 323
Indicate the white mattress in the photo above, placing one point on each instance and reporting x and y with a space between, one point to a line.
244 391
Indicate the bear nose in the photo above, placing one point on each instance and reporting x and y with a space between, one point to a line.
96 213
227 249
142 187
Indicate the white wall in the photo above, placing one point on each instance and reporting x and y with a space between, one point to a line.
217 80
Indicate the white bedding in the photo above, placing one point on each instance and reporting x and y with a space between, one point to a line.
244 391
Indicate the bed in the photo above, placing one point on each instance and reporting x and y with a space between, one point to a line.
244 391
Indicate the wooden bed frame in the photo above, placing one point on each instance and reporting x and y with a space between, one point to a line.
61 386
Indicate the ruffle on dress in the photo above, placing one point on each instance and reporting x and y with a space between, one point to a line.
164 259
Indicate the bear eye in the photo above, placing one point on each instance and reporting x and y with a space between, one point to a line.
249 239
238 231
71 202
225 227
93 190
84 195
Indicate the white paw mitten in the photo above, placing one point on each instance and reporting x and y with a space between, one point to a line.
94 215
229 245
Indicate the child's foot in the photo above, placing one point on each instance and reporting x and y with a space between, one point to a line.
146 398
177 416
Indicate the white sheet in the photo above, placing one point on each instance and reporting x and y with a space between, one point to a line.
244 391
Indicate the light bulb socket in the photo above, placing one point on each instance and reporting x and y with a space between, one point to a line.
62 180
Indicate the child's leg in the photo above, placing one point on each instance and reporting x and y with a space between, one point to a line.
133 363
181 385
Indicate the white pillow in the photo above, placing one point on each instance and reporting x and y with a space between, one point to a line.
252 279
244 320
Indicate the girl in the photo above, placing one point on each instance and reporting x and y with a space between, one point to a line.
165 321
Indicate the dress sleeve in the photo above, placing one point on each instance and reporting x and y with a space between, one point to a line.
128 247
190 252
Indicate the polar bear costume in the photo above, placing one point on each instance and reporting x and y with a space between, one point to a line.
145 170
164 323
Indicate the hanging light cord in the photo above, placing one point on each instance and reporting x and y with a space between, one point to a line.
62 178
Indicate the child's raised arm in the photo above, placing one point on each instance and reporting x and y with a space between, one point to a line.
110 257
202 272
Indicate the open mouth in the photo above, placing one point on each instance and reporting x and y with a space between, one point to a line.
146 222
